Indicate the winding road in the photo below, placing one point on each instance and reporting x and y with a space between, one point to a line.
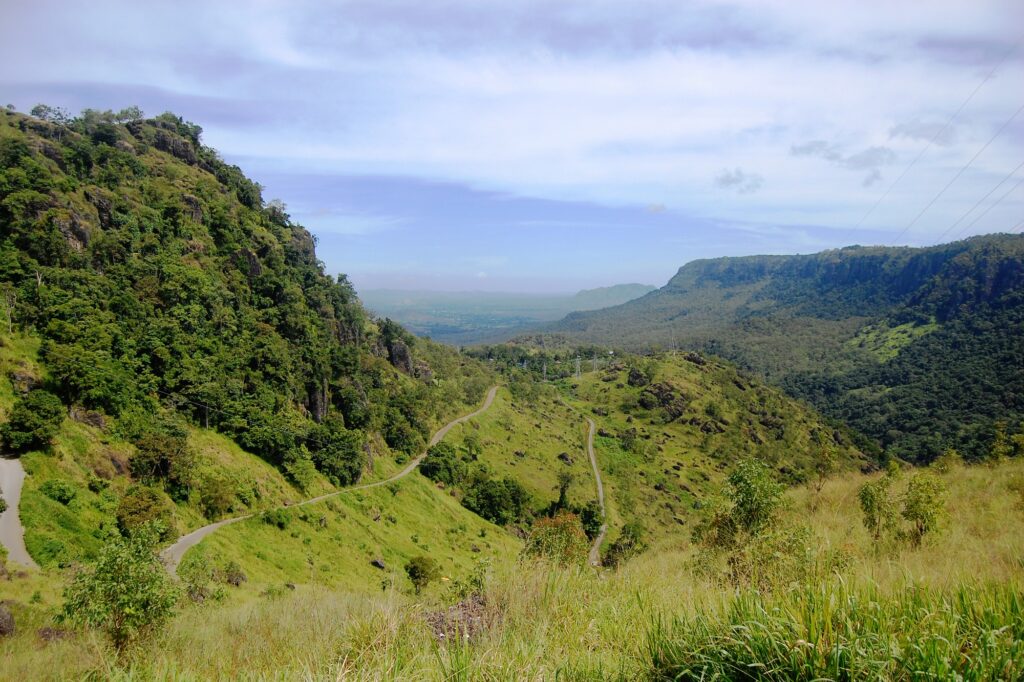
172 555
12 534
595 549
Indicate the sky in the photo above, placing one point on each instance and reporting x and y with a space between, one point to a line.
553 145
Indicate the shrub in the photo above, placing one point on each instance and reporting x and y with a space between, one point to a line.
34 421
422 570
217 496
126 592
197 573
502 501
591 518
877 507
3 505
59 491
140 507
299 467
755 495
560 539
923 505
165 459
629 543
281 518
234 575
442 465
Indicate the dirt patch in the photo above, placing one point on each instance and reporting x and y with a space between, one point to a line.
465 620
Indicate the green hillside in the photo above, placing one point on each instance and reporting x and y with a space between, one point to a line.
669 428
921 349
207 365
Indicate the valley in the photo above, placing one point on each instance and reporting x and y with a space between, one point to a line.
220 463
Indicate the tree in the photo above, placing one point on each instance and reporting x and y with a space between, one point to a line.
342 459
422 570
565 480
923 504
473 446
877 508
167 459
591 518
755 495
442 465
34 421
140 508
126 592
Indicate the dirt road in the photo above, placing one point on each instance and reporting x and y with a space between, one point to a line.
172 555
595 549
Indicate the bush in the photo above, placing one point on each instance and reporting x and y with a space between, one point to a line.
560 539
59 491
442 465
299 468
877 508
422 570
502 501
141 507
923 505
281 518
629 543
34 421
755 495
165 459
126 592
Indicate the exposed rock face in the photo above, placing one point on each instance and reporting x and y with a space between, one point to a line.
666 396
250 261
193 209
400 356
637 378
377 562
176 147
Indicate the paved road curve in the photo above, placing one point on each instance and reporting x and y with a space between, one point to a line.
12 534
595 549
172 555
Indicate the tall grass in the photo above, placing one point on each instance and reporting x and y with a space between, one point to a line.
831 630
949 609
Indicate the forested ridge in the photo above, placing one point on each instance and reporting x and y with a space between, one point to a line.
919 348
163 284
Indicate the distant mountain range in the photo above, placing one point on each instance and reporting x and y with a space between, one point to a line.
464 317
918 348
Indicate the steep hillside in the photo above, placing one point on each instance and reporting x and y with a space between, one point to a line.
921 349
185 325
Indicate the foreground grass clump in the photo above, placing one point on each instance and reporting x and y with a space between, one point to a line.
833 631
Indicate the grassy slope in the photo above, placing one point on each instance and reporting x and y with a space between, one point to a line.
664 490
333 542
582 625
539 431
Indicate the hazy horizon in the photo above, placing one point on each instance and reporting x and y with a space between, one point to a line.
534 147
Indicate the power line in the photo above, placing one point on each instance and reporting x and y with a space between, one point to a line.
958 174
932 141
991 206
979 202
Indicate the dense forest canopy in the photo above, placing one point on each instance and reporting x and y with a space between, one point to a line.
919 348
161 281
